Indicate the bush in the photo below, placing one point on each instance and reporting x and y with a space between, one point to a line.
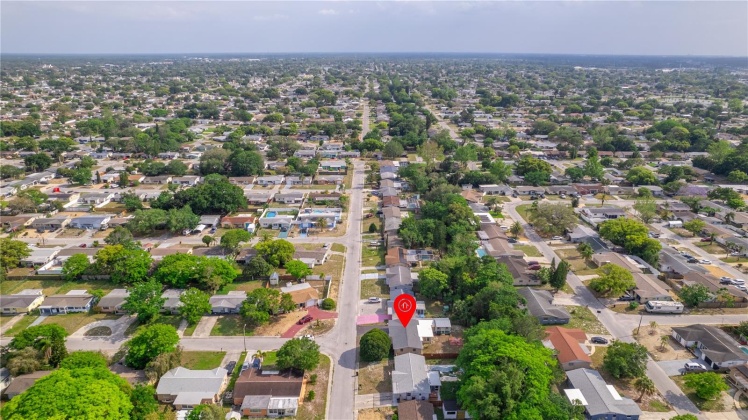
328 304
313 379
373 228
375 345
633 305
310 396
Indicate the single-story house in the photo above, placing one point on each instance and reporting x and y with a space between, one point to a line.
113 301
22 302
210 220
21 383
227 304
90 222
452 411
73 301
50 223
405 339
268 393
39 256
161 179
270 180
240 221
739 377
712 345
569 345
600 400
329 179
186 389
172 303
259 197
410 379
303 294
321 197
292 197
539 304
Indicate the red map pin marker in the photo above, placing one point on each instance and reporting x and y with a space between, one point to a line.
405 307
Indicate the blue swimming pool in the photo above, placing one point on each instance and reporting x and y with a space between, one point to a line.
744 349
270 214
481 252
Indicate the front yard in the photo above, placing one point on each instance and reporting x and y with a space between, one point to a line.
585 320
374 288
73 322
722 403
314 409
372 256
19 326
529 250
202 360
173 320
229 325
375 377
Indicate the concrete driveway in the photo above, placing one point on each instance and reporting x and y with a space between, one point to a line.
675 367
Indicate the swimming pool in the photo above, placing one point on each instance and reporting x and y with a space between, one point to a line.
481 252
270 214
744 349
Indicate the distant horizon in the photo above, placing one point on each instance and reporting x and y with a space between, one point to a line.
561 27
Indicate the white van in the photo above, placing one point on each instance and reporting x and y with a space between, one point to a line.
664 307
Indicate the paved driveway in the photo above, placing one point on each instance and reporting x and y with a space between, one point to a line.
675 367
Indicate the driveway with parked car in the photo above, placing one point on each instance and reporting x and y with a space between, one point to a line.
677 367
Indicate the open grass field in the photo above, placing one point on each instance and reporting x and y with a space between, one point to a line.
202 360
229 325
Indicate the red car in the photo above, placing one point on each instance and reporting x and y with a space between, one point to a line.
706 239
83 245
305 319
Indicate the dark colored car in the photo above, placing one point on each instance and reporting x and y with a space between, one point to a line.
598 340
512 241
230 366
305 319
706 239
626 298
533 263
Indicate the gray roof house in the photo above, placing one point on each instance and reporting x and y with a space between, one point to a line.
112 302
410 379
172 302
399 277
712 345
600 400
539 304
90 222
227 304
185 388
405 339
73 301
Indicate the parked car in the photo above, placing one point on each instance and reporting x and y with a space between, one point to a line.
692 261
599 340
230 366
706 239
375 300
533 263
704 262
534 267
557 238
725 280
626 298
305 319
83 245
512 241
694 367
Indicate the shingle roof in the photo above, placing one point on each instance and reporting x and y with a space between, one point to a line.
404 337
717 344
539 303
600 397
181 379
410 374
567 341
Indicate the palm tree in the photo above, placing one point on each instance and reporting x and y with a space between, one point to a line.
711 238
586 251
664 340
603 196
44 345
321 224
516 229
645 386
729 217
652 328
259 354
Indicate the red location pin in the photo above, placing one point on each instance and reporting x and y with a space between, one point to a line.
405 307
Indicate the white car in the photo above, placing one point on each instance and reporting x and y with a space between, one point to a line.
704 262
375 300
558 238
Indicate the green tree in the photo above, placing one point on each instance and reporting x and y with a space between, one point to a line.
693 295
75 266
143 401
528 164
516 229
694 226
124 265
275 252
644 386
12 252
84 359
144 300
592 166
708 385
149 343
505 377
231 239
216 195
91 393
585 251
500 170
646 207
81 176
163 363
37 162
574 173
298 269
640 175
625 360
375 345
146 221
132 202
26 360
432 283
257 267
558 277
553 219
207 240
182 219
299 354
48 339
328 304
613 281
206 412
195 304
684 417
393 149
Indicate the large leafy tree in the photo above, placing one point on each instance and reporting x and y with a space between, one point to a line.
257 267
231 239
125 265
120 235
84 359
145 300
182 219
504 376
693 295
216 195
375 345
632 235
275 252
195 304
298 269
299 353
708 385
553 219
432 283
12 252
640 175
73 393
181 270
613 280
149 343
625 360
75 266
48 339
143 401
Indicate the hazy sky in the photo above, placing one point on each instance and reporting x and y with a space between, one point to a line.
577 27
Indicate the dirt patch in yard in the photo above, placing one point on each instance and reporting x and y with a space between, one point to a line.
374 288
716 271
381 413
375 377
669 350
279 324
585 320
315 409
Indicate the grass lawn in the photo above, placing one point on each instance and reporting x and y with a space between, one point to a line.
523 210
106 286
315 409
713 249
190 329
368 222
371 256
53 287
703 405
270 359
529 250
19 326
585 320
338 248
229 325
173 320
73 322
578 264
202 360
374 288
375 377
246 286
